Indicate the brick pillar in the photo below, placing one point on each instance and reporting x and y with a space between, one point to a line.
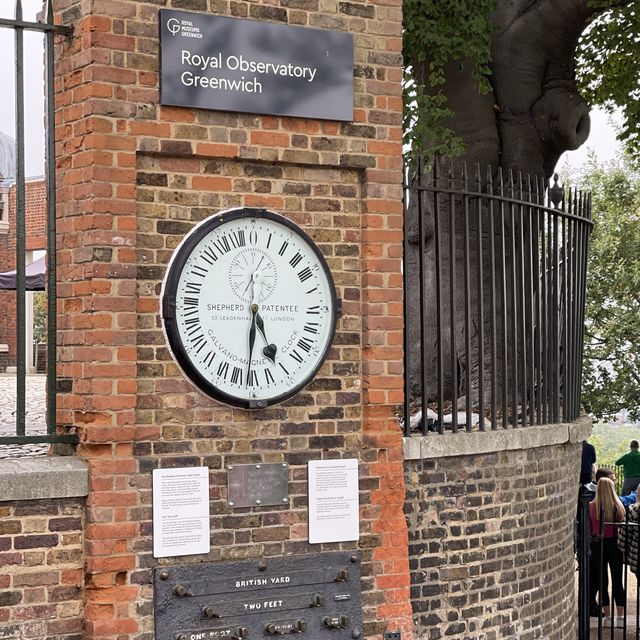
97 307
134 178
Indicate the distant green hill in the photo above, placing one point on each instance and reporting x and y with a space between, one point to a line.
611 441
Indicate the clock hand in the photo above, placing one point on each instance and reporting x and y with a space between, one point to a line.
252 338
270 350
257 279
247 287
251 278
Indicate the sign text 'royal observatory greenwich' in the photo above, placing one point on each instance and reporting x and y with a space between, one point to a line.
231 64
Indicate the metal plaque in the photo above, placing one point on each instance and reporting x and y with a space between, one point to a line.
316 596
233 64
255 485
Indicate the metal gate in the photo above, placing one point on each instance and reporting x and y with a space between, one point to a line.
46 26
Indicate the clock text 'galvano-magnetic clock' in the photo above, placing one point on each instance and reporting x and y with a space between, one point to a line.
249 307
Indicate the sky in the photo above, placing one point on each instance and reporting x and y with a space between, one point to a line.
33 82
602 139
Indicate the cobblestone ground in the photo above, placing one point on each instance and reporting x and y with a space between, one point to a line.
34 414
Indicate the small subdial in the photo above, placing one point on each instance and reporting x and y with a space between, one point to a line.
241 271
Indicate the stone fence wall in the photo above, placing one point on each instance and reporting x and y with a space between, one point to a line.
491 524
42 548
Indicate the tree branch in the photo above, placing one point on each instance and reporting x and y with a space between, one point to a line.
599 358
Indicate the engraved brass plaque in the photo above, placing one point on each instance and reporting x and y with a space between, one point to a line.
255 485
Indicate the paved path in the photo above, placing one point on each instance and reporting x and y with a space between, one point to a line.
631 632
35 403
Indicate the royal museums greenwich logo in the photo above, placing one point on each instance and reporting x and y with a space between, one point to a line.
232 64
183 27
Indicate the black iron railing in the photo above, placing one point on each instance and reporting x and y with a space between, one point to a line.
495 272
47 27
608 583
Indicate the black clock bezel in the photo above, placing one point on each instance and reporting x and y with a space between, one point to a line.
168 306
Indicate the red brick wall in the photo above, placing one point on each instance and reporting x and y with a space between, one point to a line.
7 301
41 569
36 238
35 222
36 214
117 229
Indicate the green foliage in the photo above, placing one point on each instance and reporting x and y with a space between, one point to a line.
611 378
435 33
608 69
39 316
611 442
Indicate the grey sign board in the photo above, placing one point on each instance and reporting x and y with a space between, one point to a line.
316 595
232 64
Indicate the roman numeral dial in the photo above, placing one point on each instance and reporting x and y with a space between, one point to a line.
249 307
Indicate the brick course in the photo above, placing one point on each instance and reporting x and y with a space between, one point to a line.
41 569
134 177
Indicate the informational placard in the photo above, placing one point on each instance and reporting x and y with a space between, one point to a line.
333 501
181 512
233 64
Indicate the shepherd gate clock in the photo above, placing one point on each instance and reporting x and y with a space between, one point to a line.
249 307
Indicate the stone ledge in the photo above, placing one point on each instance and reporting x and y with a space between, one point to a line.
41 478
468 444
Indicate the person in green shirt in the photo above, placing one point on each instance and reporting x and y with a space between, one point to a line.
631 466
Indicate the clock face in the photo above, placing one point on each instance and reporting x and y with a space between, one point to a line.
248 307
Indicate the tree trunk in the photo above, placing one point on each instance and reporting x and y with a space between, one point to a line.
533 114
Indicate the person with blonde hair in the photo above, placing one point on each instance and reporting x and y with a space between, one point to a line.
604 512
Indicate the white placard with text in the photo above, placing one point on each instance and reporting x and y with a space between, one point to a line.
333 501
181 512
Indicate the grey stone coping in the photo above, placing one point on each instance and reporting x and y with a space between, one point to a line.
41 478
462 443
